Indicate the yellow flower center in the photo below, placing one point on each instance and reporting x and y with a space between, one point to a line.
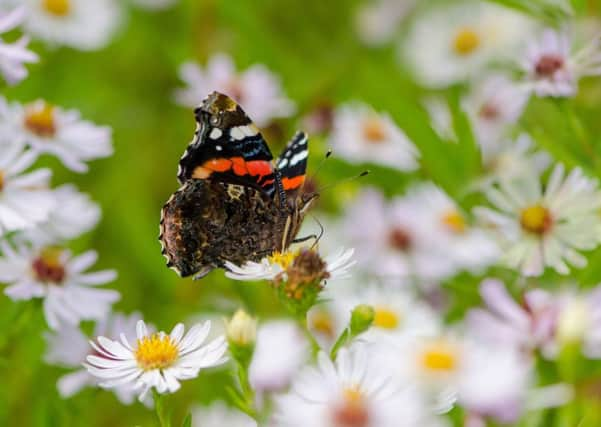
385 318
57 7
536 219
353 410
454 221
439 357
47 267
321 321
157 351
466 41
39 119
374 130
283 259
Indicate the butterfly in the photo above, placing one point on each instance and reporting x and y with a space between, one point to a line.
235 202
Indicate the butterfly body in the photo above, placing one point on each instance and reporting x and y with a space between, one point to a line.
234 203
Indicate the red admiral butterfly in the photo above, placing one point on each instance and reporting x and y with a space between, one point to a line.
233 204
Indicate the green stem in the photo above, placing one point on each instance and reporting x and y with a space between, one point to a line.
314 344
340 342
160 405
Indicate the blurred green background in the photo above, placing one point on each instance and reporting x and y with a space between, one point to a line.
312 46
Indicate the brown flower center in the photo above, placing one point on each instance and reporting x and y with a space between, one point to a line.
47 267
399 239
1 180
547 65
57 7
304 275
39 120
353 410
536 219
466 41
374 130
489 111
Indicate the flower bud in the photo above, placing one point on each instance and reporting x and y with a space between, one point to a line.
362 318
574 321
241 330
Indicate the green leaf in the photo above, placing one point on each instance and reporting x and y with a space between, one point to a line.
187 421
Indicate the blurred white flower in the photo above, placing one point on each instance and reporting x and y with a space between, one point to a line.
452 43
257 90
509 159
62 133
154 4
441 119
25 199
74 214
538 229
398 314
271 370
422 235
528 326
334 266
219 415
494 105
553 70
352 391
361 135
80 24
53 274
69 348
377 21
155 360
13 56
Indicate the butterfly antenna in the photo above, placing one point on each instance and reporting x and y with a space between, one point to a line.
319 166
321 231
342 181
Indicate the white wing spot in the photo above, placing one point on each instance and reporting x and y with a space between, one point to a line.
237 133
215 133
282 163
218 147
298 157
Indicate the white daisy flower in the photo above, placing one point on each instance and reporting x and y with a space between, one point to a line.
423 235
13 56
53 274
509 159
448 44
256 89
62 133
25 199
398 314
362 135
156 360
377 21
526 326
218 415
272 371
494 105
154 4
69 347
352 391
553 70
539 229
80 24
278 265
73 215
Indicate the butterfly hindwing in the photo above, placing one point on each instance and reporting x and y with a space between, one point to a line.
227 147
292 163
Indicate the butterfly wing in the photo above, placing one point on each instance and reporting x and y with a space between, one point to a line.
292 164
227 147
